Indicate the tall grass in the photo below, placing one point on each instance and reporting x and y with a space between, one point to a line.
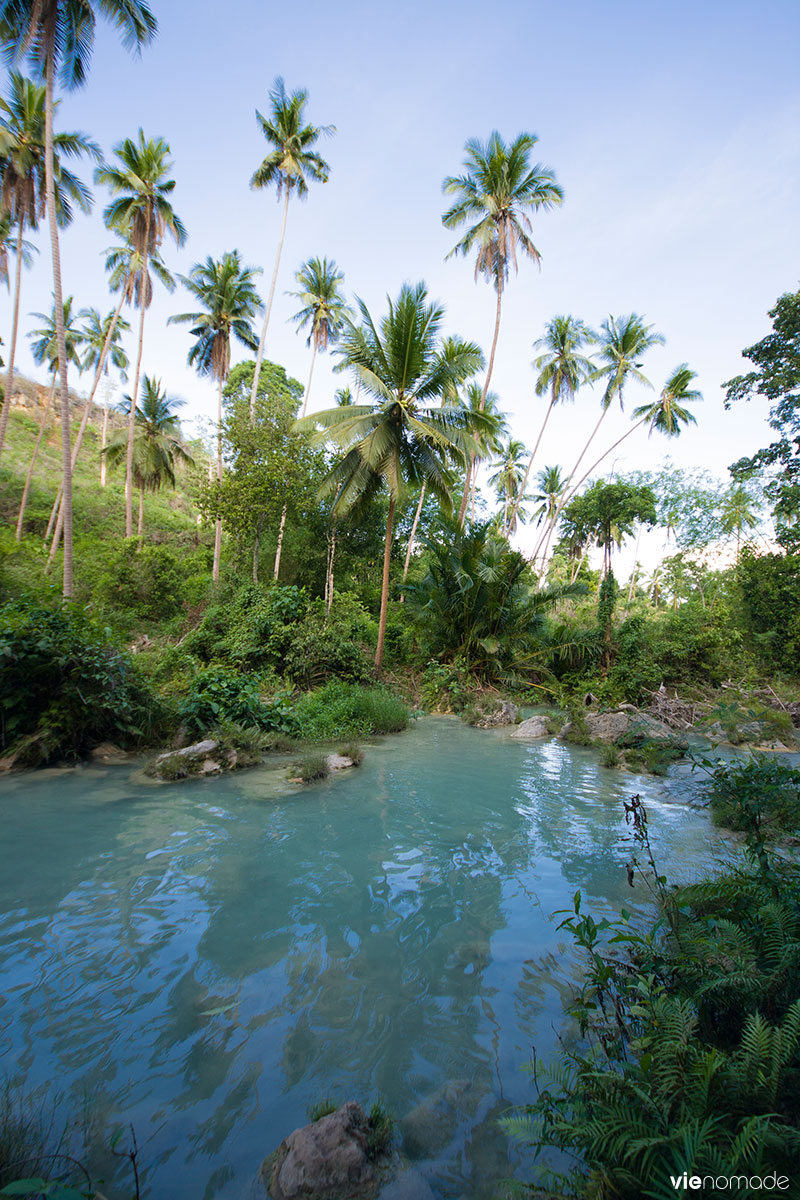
347 710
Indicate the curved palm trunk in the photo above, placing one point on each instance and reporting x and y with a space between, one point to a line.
140 524
135 392
57 506
605 454
58 297
13 346
263 338
414 525
218 522
310 373
43 422
103 440
387 553
484 393
276 569
518 498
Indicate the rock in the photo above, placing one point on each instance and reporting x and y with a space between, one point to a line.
430 1126
534 727
326 1160
338 762
409 1185
623 727
505 713
107 752
202 758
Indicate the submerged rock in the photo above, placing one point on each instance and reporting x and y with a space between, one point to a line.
107 752
432 1124
326 1160
534 727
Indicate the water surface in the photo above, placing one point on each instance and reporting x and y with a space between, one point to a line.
208 959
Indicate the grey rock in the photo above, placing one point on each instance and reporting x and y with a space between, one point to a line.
107 752
505 713
326 1160
338 762
534 727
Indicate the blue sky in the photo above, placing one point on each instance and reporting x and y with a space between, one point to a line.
673 129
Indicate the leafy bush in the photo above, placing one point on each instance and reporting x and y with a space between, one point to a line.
217 695
761 791
346 710
151 582
446 687
693 1025
65 686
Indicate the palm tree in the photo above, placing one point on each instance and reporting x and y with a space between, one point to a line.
406 436
291 162
495 195
740 511
143 214
551 485
44 348
562 370
102 340
22 150
622 342
157 448
324 309
59 35
495 429
508 481
230 302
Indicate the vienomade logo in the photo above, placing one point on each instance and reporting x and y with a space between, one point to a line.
769 1184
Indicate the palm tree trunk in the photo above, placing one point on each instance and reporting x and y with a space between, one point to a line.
263 338
521 492
135 392
218 522
414 525
256 545
140 524
329 581
635 564
103 437
387 554
605 454
82 430
13 345
276 569
484 394
42 423
310 373
58 298
577 570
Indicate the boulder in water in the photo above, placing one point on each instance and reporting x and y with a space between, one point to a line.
326 1160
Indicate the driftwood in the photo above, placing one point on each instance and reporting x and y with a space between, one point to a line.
673 711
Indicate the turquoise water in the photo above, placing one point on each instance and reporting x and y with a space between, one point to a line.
208 959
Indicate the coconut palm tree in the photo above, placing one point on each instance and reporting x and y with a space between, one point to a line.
22 174
230 302
58 36
290 164
157 448
324 310
622 341
508 481
562 370
406 436
499 189
550 485
44 349
142 212
101 338
740 511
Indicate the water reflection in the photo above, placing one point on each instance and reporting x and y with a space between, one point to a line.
209 960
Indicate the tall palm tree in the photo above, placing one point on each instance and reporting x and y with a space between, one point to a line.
291 162
157 448
508 481
23 201
406 436
230 302
494 430
44 348
740 511
143 214
665 415
101 337
550 484
622 341
58 35
324 309
495 195
562 370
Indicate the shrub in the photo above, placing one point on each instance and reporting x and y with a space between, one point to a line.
609 756
151 582
65 686
353 751
761 791
218 695
446 687
346 710
380 1131
311 767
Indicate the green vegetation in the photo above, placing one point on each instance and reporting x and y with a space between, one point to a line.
761 794
342 710
691 1028
310 768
